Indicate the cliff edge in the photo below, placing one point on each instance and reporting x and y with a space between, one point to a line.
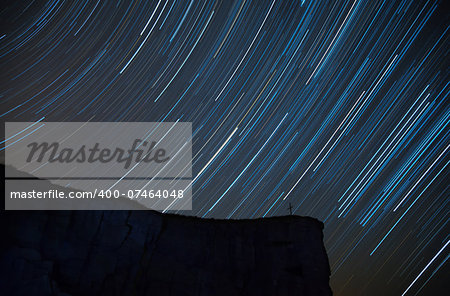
149 253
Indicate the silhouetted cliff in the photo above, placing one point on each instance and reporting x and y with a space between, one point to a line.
148 253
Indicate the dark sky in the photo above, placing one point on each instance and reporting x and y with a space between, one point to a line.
339 108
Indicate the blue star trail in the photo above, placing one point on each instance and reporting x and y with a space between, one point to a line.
338 108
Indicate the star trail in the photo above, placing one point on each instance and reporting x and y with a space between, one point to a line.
339 108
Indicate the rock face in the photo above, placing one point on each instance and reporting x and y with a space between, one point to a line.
148 253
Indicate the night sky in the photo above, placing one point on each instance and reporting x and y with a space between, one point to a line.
338 108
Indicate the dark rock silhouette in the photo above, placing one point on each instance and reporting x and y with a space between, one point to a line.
149 253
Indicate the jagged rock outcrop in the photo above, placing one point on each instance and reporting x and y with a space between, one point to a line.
148 253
